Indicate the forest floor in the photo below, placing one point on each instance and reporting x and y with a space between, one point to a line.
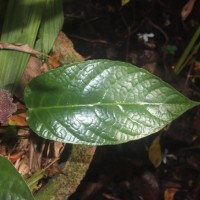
152 35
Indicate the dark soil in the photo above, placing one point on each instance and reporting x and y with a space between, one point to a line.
105 29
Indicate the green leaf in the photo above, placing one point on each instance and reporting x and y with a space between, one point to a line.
101 102
12 185
51 25
21 25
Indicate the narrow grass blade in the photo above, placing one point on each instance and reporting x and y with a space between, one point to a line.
181 63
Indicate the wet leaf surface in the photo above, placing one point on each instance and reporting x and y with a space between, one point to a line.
101 102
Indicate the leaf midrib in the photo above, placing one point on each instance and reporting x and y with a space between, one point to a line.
108 105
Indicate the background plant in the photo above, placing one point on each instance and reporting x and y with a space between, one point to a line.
43 18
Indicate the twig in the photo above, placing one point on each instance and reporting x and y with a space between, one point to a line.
160 30
92 40
128 35
21 47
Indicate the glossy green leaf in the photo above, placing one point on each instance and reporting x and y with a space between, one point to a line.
12 185
101 102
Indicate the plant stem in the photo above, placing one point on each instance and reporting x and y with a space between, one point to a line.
180 65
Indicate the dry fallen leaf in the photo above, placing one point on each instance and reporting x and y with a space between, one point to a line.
197 67
15 156
155 154
21 106
23 168
18 120
58 148
169 193
65 48
54 60
187 9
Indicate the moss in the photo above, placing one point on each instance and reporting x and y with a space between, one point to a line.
64 185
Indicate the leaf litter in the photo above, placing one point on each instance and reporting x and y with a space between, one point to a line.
34 158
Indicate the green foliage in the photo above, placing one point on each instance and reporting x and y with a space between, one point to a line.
101 102
21 25
51 25
12 185
171 49
191 49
